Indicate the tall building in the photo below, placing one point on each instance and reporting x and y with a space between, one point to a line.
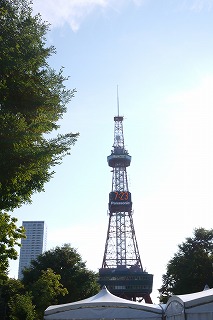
122 271
33 245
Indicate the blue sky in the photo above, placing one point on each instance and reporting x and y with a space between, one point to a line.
159 53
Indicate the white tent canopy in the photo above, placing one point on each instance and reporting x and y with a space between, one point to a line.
104 305
194 306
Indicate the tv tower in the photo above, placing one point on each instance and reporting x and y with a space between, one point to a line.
122 270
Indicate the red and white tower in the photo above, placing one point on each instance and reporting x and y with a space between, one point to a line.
122 270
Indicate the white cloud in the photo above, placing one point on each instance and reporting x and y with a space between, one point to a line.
139 2
196 103
191 176
59 12
196 5
179 197
83 237
73 12
199 5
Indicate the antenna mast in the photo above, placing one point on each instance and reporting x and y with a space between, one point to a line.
117 101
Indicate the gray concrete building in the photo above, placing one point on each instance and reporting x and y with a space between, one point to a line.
33 245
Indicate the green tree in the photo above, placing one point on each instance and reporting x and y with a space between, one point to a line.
46 290
9 288
28 302
33 98
9 237
21 307
191 268
67 262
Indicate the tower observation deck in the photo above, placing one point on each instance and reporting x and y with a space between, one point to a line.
122 270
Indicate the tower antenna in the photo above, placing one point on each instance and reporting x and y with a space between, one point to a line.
117 101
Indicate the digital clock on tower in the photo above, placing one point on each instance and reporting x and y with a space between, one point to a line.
120 201
120 196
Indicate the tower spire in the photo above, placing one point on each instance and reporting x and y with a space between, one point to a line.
117 101
122 270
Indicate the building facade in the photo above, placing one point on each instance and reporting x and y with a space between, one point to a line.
33 245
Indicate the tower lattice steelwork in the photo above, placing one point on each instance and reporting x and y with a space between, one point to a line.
122 270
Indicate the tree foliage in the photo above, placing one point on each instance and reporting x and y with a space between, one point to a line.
66 262
9 289
191 267
21 307
19 301
46 291
9 237
33 98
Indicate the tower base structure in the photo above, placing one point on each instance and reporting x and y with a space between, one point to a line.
128 283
